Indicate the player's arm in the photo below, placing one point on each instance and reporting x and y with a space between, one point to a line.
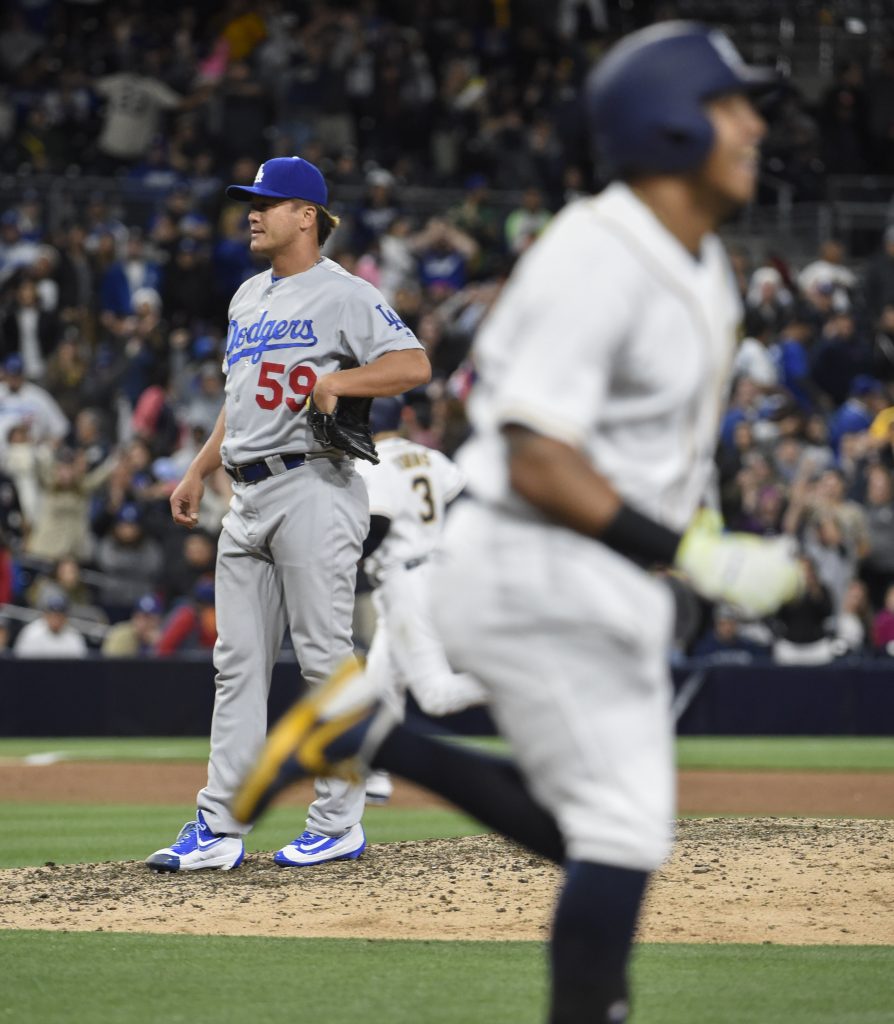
391 374
754 573
378 530
187 495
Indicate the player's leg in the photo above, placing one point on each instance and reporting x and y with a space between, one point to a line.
417 652
325 518
250 624
585 705
593 929
380 671
489 788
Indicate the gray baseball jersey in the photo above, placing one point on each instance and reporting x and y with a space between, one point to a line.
284 334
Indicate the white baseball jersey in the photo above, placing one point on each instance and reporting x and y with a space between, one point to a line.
650 332
411 486
285 333
614 339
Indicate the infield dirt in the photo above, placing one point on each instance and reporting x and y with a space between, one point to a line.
758 880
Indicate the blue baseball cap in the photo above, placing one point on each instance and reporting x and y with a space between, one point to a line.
148 604
14 365
863 384
54 600
128 513
284 177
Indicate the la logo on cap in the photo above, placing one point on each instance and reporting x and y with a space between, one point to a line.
260 175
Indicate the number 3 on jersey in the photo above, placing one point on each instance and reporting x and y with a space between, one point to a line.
422 485
302 380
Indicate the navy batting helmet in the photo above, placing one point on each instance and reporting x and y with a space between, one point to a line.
645 97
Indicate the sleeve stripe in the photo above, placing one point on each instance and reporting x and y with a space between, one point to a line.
541 422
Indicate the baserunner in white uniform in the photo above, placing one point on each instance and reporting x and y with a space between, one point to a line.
409 492
603 370
293 535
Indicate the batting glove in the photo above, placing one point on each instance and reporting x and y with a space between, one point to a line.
756 574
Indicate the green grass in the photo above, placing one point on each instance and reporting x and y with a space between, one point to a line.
89 833
110 748
787 753
52 977
751 753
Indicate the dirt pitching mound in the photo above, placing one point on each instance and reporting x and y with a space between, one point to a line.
730 880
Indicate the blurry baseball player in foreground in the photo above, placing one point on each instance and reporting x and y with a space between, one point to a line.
603 373
306 339
409 492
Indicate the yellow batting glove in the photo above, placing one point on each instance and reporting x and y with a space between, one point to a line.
756 574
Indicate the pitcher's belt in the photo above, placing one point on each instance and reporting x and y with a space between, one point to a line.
273 465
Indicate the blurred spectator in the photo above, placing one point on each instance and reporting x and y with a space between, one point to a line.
812 499
804 624
192 625
842 354
66 370
377 211
62 526
443 253
853 623
130 560
830 268
51 635
883 345
137 636
878 279
791 353
191 560
877 568
16 252
12 520
134 104
755 360
19 458
90 436
724 641
22 401
844 121
188 295
204 404
6 570
66 579
481 220
28 331
834 562
526 222
866 399
5 636
767 301
883 625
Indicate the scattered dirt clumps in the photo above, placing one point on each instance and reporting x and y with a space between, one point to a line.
765 880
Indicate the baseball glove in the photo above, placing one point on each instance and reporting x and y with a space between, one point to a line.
346 429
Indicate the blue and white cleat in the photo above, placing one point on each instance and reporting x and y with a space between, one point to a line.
312 848
333 731
197 847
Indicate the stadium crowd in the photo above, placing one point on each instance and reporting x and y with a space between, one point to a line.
112 328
